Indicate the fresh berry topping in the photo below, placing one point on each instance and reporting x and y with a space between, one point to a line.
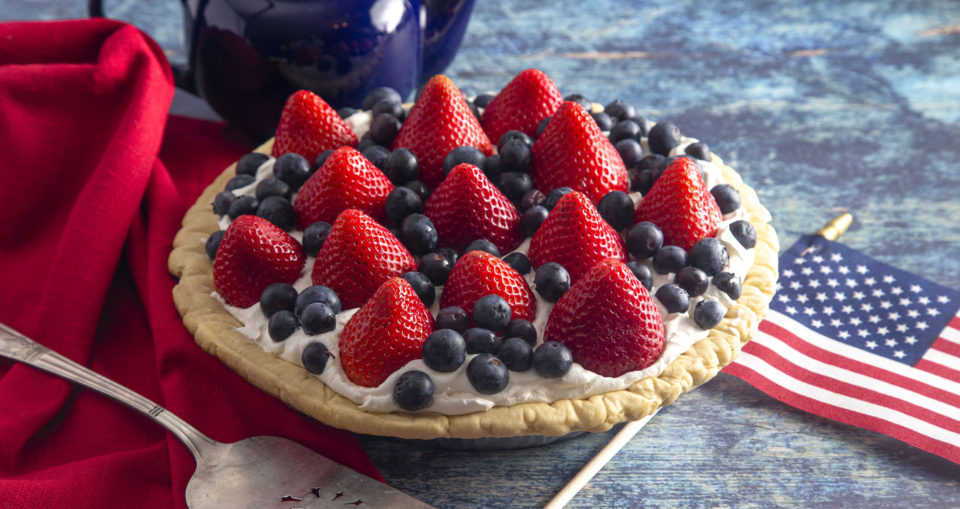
522 329
491 168
625 130
728 283
454 318
728 199
277 296
709 255
543 125
418 233
385 334
491 312
358 256
390 107
708 313
444 350
529 98
384 128
483 100
531 198
700 150
581 100
477 274
642 181
440 121
308 126
516 156
420 188
346 181
551 199
345 112
322 158
642 273
450 254
281 325
402 166
693 280
603 120
663 137
401 202
616 208
253 254
630 151
644 240
279 211
379 94
482 245
317 293
365 143
674 298
377 156
250 163
487 374
516 354
513 135
645 125
551 281
239 181
575 236
436 267
519 262
514 185
318 318
213 244
314 357
461 155
680 205
466 206
222 202
620 109
552 359
413 391
651 162
272 186
422 285
292 169
243 205
669 259
744 232
481 340
314 237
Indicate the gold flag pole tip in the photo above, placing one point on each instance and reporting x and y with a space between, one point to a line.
836 227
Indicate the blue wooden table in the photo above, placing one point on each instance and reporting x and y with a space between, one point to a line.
822 108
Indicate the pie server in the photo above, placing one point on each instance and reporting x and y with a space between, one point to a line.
257 472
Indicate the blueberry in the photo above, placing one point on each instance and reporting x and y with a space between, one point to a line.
378 94
551 281
366 142
444 350
250 163
453 317
644 124
693 280
491 168
418 234
321 159
625 130
642 273
631 152
420 188
663 137
277 296
377 155
543 125
531 220
213 243
728 199
279 211
515 156
642 181
401 202
386 106
522 329
708 313
728 283
272 186
222 202
314 357
384 129
317 293
514 185
483 245
669 259
554 196
620 109
345 112
314 236
242 205
481 340
292 169
674 298
239 181
317 318
436 267
744 232
651 162
491 312
603 120
459 155
281 325
531 198
519 262
402 166
487 374
699 150
513 135
644 239
413 391
616 208
483 100
581 100
474 109
450 254
552 359
516 353
422 285
709 255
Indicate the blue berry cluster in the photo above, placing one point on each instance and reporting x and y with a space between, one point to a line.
314 310
272 195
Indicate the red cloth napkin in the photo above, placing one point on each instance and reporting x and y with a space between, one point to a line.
94 181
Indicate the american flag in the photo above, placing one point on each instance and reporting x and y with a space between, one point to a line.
858 341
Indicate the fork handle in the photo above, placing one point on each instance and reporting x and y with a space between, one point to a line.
19 347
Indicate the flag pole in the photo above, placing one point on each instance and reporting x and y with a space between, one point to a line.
833 230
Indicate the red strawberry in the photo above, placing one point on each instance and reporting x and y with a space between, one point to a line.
308 126
466 207
440 121
358 256
608 321
254 253
385 334
478 273
573 152
681 205
347 180
529 98
575 236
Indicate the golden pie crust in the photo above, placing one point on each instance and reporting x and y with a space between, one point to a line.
213 328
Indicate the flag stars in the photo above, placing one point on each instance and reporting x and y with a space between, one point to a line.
843 269
852 283
828 310
899 354
893 315
855 321
795 285
915 288
943 299
905 302
826 269
821 296
886 304
871 345
802 298
869 281
818 259
910 340
843 334
878 292
809 311
913 313
866 307
847 309
859 295
840 296
836 323
799 261
902 327
888 279
861 269
922 325
792 310
890 342
788 273
816 323
814 283
932 312
874 319
883 331
783 298
896 290
806 271
924 300
862 333
836 257
833 283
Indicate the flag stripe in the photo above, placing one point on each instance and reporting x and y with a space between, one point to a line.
942 345
934 363
951 334
955 322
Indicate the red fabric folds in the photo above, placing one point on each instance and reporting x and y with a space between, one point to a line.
94 181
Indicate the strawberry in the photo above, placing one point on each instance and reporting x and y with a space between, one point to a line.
478 273
358 256
385 334
252 254
440 121
308 126
347 180
573 152
466 207
529 98
681 205
575 236
608 321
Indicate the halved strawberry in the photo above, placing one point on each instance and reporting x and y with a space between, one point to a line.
440 121
681 205
608 321
529 98
347 180
358 256
575 236
254 253
478 273
385 334
308 126
466 207
573 152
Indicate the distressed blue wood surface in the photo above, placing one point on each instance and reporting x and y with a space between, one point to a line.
821 107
